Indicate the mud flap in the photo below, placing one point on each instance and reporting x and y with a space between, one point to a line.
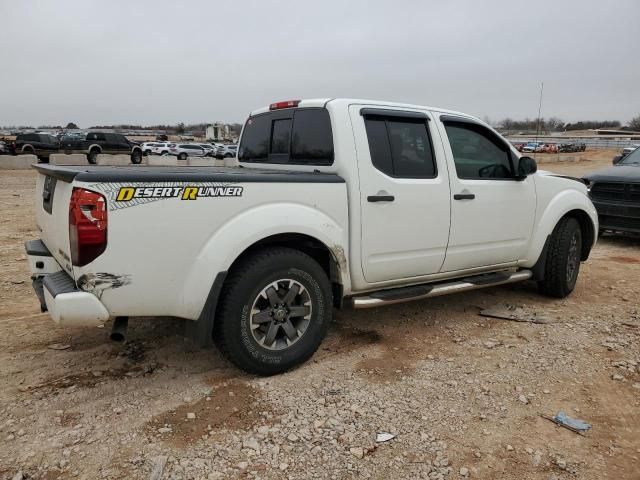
200 332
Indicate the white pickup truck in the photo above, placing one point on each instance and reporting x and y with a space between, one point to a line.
336 202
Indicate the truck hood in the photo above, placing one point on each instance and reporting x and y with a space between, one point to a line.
618 173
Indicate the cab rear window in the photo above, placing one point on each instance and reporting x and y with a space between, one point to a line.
300 136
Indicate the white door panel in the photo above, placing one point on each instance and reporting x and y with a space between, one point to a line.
492 218
406 236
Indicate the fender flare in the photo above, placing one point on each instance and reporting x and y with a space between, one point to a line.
231 240
562 204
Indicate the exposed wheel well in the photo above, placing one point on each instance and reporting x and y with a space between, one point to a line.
309 245
588 231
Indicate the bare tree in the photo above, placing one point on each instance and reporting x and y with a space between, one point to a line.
634 123
555 124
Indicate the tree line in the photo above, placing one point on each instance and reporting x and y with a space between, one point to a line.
555 124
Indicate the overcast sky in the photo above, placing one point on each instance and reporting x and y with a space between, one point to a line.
149 62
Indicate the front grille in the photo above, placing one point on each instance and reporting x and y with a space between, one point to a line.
609 191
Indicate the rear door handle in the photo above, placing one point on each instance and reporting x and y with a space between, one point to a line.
380 198
464 196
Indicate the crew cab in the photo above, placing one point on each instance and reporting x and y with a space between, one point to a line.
336 203
95 143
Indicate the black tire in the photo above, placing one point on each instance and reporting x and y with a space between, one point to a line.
182 156
242 291
164 153
92 156
28 150
563 259
147 152
136 157
228 155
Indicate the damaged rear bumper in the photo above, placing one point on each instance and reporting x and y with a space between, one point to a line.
57 291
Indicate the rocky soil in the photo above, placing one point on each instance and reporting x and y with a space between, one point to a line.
461 394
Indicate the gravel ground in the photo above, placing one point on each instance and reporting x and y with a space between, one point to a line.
463 394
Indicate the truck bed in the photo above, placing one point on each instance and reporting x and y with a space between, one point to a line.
98 174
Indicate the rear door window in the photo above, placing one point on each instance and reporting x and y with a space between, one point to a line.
293 136
400 147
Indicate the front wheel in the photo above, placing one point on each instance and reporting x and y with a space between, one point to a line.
275 310
182 156
93 156
136 157
563 259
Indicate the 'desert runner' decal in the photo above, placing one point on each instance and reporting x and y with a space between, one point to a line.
120 195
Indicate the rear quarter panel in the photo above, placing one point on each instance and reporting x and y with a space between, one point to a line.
164 253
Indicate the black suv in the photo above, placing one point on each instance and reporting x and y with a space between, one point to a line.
40 144
102 142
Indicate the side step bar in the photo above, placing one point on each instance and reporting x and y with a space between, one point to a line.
418 292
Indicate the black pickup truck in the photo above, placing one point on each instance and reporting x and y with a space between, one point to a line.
102 142
40 144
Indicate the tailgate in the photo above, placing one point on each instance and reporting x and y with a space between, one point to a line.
52 216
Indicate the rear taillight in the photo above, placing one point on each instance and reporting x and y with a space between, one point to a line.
87 226
285 104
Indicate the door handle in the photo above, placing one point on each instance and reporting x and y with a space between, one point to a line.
464 196
380 198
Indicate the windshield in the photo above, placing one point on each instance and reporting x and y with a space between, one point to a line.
632 159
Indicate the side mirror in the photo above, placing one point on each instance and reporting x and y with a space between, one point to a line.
526 166
616 159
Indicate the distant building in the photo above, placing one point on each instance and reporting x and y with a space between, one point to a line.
218 132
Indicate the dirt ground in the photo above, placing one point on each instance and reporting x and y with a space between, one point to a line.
463 394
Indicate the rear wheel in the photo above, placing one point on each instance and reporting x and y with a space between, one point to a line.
136 156
275 310
563 259
93 156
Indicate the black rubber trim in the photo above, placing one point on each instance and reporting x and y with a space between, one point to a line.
37 248
487 279
404 292
568 177
201 331
97 173
382 112
59 282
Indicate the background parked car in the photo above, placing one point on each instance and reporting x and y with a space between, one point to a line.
226 151
531 147
184 150
210 149
146 147
40 144
156 148
6 148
